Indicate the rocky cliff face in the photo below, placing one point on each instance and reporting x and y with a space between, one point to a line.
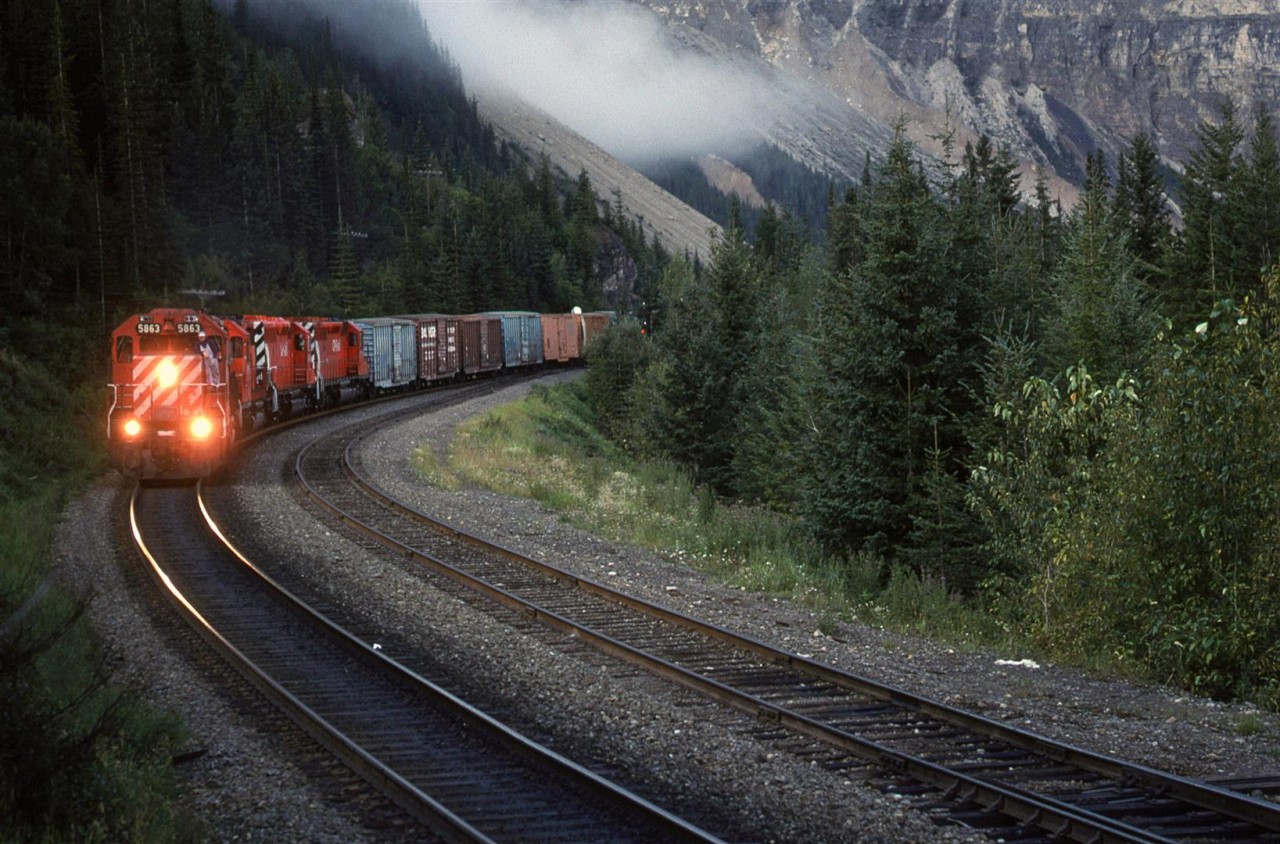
1053 78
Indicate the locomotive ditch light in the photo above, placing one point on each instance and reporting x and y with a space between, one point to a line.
167 373
132 427
201 427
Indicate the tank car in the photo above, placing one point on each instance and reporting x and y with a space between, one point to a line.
173 413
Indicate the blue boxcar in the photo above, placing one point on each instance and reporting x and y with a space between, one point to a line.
390 346
521 338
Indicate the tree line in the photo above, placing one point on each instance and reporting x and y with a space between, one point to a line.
318 157
1063 415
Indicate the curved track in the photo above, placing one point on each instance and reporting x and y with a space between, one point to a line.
459 772
1019 785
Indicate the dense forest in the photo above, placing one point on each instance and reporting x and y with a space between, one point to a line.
1062 415
790 188
301 157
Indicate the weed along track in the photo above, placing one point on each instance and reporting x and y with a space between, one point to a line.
974 771
459 772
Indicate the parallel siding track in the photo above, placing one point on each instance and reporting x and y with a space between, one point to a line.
989 775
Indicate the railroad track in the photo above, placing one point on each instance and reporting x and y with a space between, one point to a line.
459 772
1018 785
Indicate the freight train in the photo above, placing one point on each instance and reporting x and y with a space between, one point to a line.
186 384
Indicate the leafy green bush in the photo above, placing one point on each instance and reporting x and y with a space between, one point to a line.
1197 569
1147 530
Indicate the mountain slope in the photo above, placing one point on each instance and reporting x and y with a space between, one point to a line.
1055 79
681 228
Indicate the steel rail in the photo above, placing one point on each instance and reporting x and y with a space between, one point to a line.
422 806
1045 812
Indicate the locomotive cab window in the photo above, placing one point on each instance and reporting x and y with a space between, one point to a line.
299 342
124 349
166 344
237 348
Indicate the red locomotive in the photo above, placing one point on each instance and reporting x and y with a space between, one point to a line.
172 410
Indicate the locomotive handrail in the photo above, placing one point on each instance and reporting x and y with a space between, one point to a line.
111 411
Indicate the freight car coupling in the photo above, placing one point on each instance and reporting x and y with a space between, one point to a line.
187 384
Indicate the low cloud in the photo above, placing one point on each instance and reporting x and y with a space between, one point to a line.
606 69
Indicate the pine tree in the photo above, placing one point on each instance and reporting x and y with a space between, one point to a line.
1143 209
1259 203
1100 314
888 346
344 276
1208 255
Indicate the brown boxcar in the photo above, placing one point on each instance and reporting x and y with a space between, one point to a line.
439 346
595 323
481 343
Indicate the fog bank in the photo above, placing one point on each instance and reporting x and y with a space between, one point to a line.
605 68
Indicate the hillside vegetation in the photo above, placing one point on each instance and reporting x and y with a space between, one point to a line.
1061 418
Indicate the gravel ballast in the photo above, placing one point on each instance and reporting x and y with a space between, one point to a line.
666 743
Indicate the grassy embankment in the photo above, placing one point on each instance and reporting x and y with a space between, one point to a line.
80 758
547 448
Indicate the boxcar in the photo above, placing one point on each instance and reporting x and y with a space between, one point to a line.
561 338
439 346
521 338
481 343
595 323
391 349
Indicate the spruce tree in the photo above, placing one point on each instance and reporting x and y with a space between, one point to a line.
1207 261
888 350
1143 208
1259 203
1100 315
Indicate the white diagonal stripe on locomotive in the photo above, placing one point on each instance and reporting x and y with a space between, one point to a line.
147 393
261 351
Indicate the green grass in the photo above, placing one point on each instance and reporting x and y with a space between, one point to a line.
547 448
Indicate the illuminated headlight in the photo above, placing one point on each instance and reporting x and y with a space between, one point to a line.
167 374
201 427
132 427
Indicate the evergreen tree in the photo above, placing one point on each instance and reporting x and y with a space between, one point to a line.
1259 203
1143 208
1206 261
688 418
844 237
1100 316
888 346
